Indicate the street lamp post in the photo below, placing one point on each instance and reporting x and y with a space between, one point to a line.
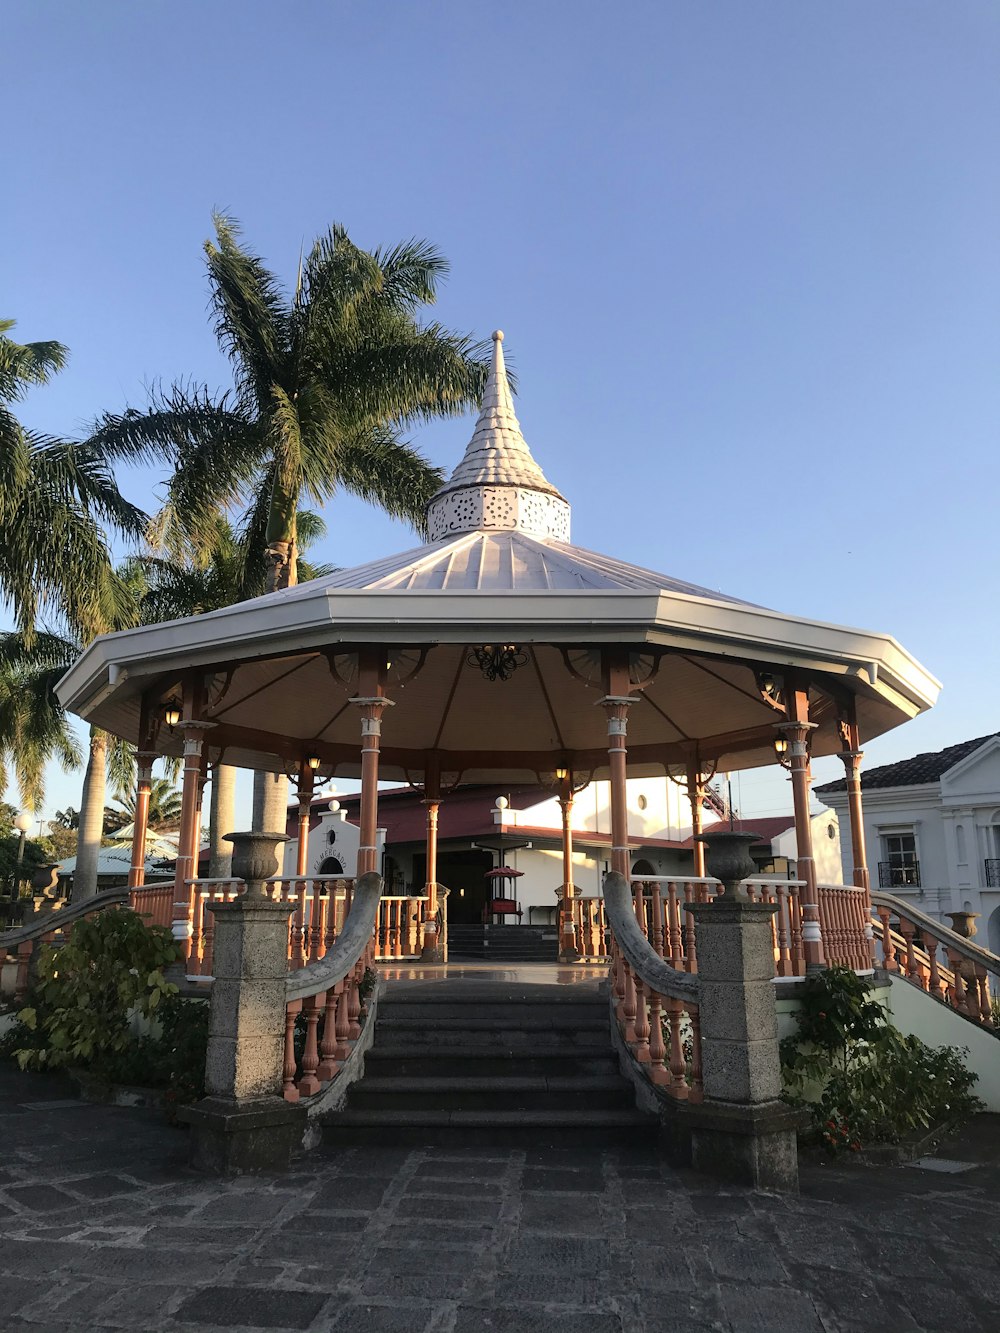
22 823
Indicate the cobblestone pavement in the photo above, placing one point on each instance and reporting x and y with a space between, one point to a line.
104 1227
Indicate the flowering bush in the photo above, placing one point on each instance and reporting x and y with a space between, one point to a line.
862 1080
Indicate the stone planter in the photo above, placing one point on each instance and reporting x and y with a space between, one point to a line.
963 923
255 859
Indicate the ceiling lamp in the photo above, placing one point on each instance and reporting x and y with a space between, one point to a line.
497 661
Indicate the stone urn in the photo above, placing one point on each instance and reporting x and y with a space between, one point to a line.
255 859
963 923
45 879
728 859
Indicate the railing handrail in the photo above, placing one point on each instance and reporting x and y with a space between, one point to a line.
710 879
636 949
852 888
348 947
49 921
943 934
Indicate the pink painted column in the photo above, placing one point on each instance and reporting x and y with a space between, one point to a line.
696 795
567 923
616 704
144 780
304 788
372 704
797 732
859 860
431 946
194 735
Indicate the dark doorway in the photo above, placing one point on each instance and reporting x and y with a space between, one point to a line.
462 873
331 866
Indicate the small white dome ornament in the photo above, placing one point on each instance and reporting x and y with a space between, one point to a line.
501 803
334 806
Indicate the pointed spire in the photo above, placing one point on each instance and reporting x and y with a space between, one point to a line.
487 489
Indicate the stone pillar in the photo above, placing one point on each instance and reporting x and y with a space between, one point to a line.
797 734
144 780
243 1124
742 1132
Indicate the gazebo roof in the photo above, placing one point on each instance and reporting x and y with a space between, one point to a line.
499 569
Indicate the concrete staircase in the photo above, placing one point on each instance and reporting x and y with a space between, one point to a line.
503 944
462 1058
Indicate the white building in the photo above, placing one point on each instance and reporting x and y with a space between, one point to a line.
932 825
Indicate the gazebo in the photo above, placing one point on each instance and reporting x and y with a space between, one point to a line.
498 651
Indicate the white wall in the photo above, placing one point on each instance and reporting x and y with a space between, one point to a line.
826 848
915 1012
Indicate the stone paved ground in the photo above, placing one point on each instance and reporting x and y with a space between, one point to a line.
103 1227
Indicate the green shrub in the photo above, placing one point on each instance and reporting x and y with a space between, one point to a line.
88 991
861 1079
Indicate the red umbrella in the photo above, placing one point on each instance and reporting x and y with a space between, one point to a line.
503 872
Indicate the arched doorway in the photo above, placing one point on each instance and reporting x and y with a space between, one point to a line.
331 866
643 868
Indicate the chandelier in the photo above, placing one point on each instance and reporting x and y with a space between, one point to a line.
497 661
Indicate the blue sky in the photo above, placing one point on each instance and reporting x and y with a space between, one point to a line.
746 257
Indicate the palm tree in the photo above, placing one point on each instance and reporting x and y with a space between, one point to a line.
58 499
324 383
164 805
181 577
35 728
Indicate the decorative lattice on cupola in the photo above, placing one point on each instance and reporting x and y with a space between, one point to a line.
498 486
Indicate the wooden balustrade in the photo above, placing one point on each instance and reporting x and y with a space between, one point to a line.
665 921
655 1003
326 1003
910 945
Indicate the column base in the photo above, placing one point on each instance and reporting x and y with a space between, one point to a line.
231 1138
750 1145
432 953
569 956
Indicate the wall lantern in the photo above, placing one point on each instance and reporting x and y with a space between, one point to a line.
313 761
497 661
171 715
781 750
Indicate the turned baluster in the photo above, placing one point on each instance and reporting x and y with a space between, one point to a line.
354 1004
197 934
330 930
289 1091
797 948
641 1023
908 930
381 928
328 1064
672 928
342 1025
301 937
397 938
315 926
656 919
208 953
617 978
690 956
658 1071
986 1011
696 1091
639 906
888 953
678 1083
628 1003
781 926
934 979
309 1084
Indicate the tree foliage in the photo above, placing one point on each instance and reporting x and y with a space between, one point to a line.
326 380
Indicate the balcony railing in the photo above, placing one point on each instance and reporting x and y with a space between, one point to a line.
992 865
892 876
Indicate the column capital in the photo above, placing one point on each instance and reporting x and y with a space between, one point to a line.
852 758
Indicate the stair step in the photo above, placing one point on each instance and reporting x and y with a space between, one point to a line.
490 1120
431 1062
490 1015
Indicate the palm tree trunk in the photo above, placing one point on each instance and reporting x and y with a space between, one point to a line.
270 806
282 543
92 798
222 820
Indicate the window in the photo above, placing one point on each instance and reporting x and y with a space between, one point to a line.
900 866
642 802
